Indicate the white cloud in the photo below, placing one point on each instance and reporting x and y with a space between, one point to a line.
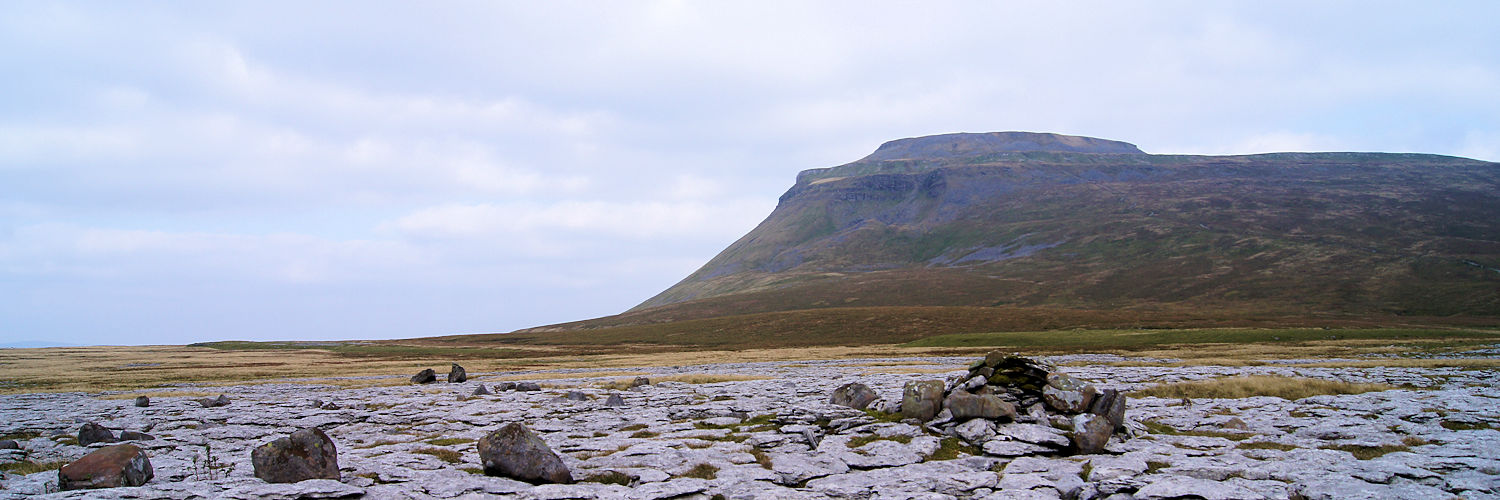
628 220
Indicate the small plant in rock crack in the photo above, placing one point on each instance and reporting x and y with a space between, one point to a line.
207 467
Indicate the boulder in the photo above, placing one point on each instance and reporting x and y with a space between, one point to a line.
481 390
9 444
854 395
505 386
575 396
528 386
222 400
514 451
92 433
426 376
614 400
1090 433
1110 404
965 405
107 467
136 436
305 454
921 399
976 431
142 401
639 381
457 375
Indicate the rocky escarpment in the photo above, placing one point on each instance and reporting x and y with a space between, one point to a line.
1020 219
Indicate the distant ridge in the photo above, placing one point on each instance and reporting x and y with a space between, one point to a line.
1023 221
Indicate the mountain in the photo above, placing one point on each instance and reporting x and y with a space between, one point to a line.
1032 220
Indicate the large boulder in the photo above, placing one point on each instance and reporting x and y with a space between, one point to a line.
965 405
614 400
481 390
142 401
107 467
457 375
1090 433
1110 404
854 395
922 399
305 454
514 451
426 376
92 433
222 400
1067 394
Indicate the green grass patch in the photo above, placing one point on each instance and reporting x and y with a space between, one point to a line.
881 416
443 454
1465 426
28 467
1367 452
870 438
1290 388
951 447
634 427
1265 445
702 471
644 434
1153 466
21 436
761 458
449 441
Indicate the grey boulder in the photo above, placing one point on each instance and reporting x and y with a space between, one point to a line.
92 433
514 451
305 454
108 467
854 395
457 374
921 399
425 376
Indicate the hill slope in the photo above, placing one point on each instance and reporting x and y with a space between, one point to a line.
1043 220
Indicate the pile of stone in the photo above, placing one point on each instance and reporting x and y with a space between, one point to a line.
456 375
1009 405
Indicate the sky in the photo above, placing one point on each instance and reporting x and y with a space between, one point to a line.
176 172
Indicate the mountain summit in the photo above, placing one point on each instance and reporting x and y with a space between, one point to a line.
1024 219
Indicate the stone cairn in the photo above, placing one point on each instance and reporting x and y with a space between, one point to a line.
1057 414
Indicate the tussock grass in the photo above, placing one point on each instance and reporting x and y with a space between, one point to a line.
1290 388
1265 445
951 448
609 477
448 441
870 438
443 454
1159 428
28 467
1367 452
1465 426
703 471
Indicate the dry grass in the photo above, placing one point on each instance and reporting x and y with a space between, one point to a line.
443 454
1290 388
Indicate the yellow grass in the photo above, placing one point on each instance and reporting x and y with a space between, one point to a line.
1260 385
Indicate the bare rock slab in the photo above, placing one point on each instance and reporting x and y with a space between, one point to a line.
516 452
305 454
107 467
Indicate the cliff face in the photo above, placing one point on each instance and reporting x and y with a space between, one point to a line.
1016 218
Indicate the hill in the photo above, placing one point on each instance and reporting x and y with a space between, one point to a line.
1027 220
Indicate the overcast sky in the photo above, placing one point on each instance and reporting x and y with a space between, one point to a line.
182 172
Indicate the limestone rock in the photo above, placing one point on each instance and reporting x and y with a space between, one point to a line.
854 395
305 454
142 401
505 386
514 451
1035 434
976 431
528 386
9 444
575 396
1090 433
107 467
614 400
222 400
426 376
92 433
457 375
1110 403
136 436
481 390
1168 486
965 405
921 399
1067 394
639 382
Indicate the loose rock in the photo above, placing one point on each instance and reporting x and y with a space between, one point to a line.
142 401
528 386
222 400
426 376
481 390
305 454
1090 433
614 400
107 467
457 375
9 444
922 399
135 436
854 395
639 381
965 405
92 433
514 451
